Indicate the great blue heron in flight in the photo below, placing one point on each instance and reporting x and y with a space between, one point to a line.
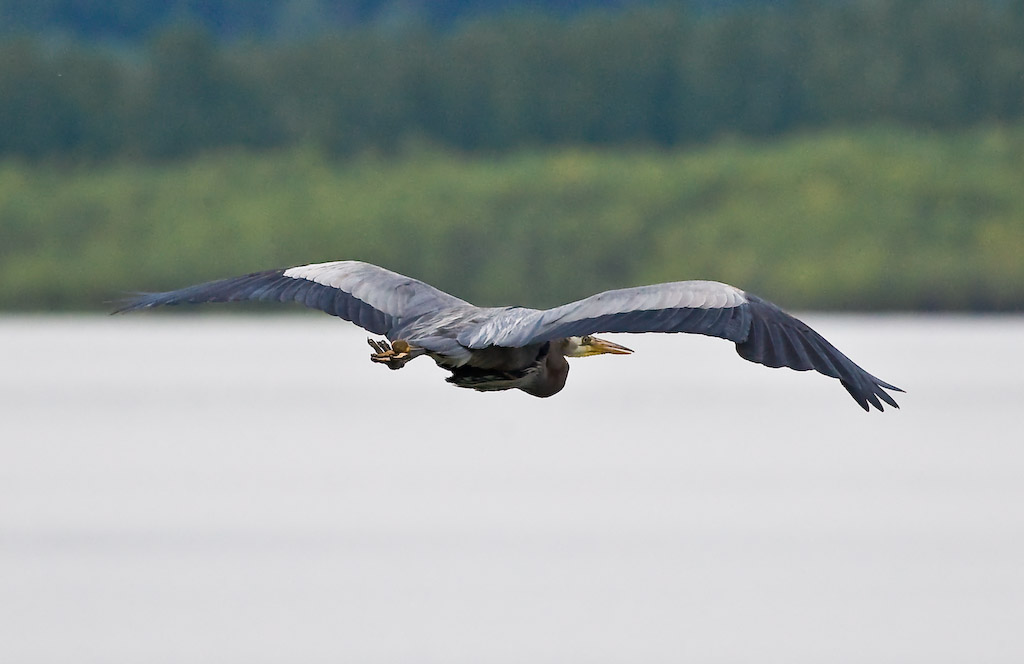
500 348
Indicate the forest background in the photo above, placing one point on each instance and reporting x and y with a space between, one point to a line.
844 154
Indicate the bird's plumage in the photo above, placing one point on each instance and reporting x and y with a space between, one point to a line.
502 347
369 296
703 307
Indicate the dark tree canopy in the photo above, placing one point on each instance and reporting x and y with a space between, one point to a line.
585 73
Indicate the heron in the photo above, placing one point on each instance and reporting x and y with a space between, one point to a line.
503 348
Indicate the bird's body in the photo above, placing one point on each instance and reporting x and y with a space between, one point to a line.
501 348
537 369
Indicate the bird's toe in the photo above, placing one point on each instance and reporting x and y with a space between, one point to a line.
394 355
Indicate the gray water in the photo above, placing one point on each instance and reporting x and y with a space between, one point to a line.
206 489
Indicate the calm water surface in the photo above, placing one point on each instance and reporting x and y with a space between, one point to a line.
255 490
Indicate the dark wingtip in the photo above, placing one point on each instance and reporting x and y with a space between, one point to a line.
134 302
859 397
123 305
868 395
880 387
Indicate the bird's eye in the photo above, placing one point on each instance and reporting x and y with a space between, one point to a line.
586 340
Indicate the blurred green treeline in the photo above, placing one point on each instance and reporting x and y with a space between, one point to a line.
846 219
847 154
651 74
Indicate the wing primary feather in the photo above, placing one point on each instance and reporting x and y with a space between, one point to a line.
861 401
288 291
821 357
803 351
270 285
778 339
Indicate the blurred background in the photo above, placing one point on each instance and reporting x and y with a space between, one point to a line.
251 489
843 154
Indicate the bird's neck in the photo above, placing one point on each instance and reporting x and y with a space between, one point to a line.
550 376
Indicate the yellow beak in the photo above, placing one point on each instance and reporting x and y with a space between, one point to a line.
601 346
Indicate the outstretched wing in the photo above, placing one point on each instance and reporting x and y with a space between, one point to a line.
762 332
369 296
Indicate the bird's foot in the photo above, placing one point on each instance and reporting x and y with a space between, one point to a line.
394 356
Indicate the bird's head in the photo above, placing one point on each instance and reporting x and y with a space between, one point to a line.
590 345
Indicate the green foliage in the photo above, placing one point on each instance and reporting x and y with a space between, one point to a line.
193 98
64 104
650 75
868 219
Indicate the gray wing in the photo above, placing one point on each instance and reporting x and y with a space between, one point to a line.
369 296
762 332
